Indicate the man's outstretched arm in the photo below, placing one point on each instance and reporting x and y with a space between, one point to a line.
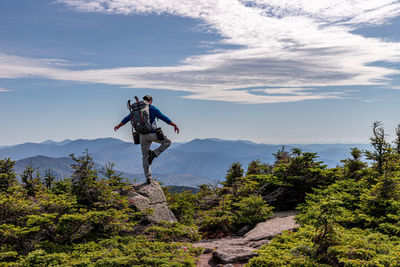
164 118
176 129
122 123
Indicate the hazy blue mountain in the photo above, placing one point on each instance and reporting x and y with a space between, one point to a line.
126 156
206 159
61 167
56 150
211 165
236 149
51 142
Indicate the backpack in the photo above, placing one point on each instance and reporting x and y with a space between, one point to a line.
140 116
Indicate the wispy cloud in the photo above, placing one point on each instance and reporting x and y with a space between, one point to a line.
294 44
5 90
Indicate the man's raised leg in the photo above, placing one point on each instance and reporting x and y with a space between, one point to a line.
164 145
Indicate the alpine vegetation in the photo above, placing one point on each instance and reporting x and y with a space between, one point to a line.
347 215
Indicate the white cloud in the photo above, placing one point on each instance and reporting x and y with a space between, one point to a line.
5 90
284 44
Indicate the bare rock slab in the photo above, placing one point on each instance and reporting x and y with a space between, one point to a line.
274 226
150 196
233 254
239 249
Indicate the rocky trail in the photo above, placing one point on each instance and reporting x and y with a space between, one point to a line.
232 251
235 251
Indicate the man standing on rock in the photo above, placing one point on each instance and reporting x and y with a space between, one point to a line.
152 136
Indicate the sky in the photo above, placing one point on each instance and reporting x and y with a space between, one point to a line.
268 71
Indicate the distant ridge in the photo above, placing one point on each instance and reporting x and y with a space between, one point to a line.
51 142
206 159
61 167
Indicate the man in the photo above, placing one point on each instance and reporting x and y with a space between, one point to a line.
147 139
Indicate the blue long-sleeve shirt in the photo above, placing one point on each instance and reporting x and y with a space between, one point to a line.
154 113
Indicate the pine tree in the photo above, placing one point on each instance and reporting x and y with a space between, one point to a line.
234 172
256 167
114 179
31 180
380 145
353 167
397 140
281 156
48 178
7 174
84 179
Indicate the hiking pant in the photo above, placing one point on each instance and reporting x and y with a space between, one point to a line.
145 143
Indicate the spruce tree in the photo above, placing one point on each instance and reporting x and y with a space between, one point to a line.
114 178
354 168
31 180
380 146
256 167
281 156
84 179
234 172
397 140
7 174
48 178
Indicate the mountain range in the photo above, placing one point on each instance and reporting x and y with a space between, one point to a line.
191 163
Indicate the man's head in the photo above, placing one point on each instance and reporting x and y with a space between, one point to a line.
148 98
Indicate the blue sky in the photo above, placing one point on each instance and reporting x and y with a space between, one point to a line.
275 71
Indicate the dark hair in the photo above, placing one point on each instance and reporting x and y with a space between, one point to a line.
147 97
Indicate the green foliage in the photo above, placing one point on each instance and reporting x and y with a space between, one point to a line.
380 145
62 186
397 140
353 247
256 167
115 180
349 215
85 184
7 174
14 207
289 249
365 248
281 156
354 168
251 210
241 200
353 221
233 213
84 221
234 172
345 195
168 232
293 176
116 251
49 178
31 180
181 204
218 220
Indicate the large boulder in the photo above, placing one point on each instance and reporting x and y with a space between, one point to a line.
150 196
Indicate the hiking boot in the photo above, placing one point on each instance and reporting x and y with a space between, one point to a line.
148 180
152 155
